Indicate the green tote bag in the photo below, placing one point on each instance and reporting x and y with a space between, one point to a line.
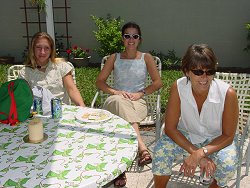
16 99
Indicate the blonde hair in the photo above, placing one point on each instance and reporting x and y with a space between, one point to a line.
31 59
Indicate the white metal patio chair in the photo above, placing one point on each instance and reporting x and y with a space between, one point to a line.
13 72
153 100
241 83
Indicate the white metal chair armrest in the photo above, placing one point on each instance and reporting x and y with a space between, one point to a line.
13 72
94 100
244 151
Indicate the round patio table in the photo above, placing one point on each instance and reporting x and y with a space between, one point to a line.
76 154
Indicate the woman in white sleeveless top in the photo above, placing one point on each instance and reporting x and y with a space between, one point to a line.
201 120
130 72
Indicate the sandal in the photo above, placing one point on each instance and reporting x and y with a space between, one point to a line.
121 180
144 158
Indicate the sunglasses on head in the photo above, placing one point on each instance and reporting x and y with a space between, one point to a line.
199 72
130 36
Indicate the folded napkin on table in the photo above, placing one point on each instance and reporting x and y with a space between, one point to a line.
46 97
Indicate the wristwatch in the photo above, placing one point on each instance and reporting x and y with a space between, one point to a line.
143 91
205 150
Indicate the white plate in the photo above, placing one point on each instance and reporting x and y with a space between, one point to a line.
93 115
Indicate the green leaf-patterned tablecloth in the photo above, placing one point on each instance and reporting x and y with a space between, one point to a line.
75 154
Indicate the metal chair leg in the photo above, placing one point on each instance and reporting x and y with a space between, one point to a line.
247 159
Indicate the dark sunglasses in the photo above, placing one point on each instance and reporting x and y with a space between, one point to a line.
130 36
200 72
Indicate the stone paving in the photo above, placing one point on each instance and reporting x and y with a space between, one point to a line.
142 177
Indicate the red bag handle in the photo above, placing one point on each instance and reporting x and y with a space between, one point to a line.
12 119
13 112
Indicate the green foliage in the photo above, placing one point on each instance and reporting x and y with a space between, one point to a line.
248 37
86 77
168 77
85 80
3 73
168 60
41 4
108 35
78 52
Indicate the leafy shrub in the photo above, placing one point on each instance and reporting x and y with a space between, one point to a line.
85 81
169 60
108 35
168 77
3 73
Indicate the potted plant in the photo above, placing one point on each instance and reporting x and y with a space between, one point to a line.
79 56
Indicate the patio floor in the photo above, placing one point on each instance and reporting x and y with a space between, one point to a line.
142 177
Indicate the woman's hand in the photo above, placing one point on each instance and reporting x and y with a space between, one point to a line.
207 165
189 165
136 96
191 162
127 95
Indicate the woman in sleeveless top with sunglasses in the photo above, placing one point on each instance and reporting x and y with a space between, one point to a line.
127 96
200 122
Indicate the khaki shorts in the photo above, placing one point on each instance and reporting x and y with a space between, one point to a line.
131 111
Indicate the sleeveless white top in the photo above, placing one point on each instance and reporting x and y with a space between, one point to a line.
130 74
207 124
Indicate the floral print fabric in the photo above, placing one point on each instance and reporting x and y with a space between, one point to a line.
167 151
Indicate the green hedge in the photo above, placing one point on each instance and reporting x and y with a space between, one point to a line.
86 76
3 73
85 81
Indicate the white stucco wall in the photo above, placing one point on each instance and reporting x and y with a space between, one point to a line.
165 24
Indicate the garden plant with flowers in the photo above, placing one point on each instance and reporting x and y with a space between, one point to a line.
78 52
